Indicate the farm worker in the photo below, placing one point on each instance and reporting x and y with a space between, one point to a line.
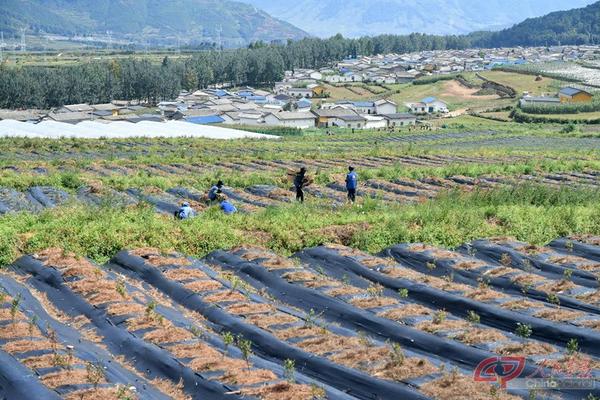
215 191
228 208
185 211
351 184
299 184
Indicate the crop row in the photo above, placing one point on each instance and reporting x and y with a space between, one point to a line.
332 322
401 190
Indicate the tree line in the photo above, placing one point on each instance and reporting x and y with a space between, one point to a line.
257 65
141 79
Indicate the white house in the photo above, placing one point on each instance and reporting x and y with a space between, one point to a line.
385 107
300 93
349 121
400 119
302 120
374 122
429 105
247 118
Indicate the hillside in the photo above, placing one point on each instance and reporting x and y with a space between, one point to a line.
355 18
152 21
566 27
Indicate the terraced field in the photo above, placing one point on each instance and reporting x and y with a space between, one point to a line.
331 322
400 190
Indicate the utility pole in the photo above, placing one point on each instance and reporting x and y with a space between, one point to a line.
219 30
2 44
109 47
23 42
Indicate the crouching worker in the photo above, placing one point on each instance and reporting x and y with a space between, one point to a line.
185 212
227 207
299 183
215 191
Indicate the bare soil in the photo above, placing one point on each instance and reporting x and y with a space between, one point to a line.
526 349
406 310
559 314
373 302
479 335
459 387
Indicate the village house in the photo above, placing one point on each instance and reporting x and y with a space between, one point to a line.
384 106
339 117
300 93
399 119
250 118
374 122
429 105
301 120
539 101
574 95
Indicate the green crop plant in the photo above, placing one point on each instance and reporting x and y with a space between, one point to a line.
228 340
473 317
14 306
572 346
245 347
94 374
439 317
403 292
289 367
523 330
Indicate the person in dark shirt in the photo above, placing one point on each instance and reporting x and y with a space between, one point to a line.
215 191
299 184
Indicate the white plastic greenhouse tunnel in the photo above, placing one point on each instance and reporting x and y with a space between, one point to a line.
97 130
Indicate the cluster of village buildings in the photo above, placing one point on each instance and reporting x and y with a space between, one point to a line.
300 100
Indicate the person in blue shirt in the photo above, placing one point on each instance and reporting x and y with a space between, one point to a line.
351 184
228 208
215 191
185 212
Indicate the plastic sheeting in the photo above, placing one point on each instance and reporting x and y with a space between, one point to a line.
120 129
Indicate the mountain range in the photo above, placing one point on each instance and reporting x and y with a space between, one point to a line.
153 21
353 18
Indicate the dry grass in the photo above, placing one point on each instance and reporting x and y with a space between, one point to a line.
175 392
479 335
362 357
459 387
328 343
342 234
191 350
97 291
15 330
250 308
264 321
300 276
526 349
520 304
245 376
156 258
43 361
225 295
446 325
169 334
556 287
216 362
284 391
591 297
24 346
203 286
299 331
182 274
65 377
485 294
469 264
124 308
373 302
406 310
409 368
344 290
558 314
100 393
500 271
526 279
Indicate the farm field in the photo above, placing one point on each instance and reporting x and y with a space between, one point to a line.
105 295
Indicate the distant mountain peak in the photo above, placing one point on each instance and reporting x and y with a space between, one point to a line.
355 18
156 21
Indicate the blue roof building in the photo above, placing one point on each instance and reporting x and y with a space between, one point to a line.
205 120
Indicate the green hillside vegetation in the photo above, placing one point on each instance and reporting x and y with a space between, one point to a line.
577 26
150 20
